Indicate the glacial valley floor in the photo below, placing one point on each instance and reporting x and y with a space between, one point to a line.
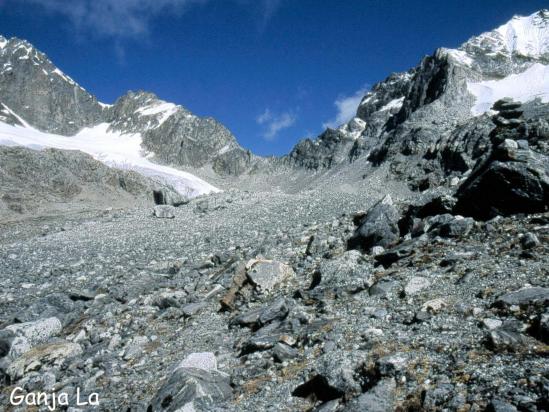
136 294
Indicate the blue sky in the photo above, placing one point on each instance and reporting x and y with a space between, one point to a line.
273 71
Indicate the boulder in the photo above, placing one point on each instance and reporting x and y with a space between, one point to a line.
349 271
503 340
439 205
164 211
415 285
191 388
378 228
200 360
505 188
51 354
255 318
283 352
170 197
506 103
449 226
510 179
19 338
266 274
401 251
529 241
333 376
380 398
523 297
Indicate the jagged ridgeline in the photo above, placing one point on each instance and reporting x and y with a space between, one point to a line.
402 267
427 116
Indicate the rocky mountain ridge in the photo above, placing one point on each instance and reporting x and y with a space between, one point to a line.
431 99
171 133
406 113
358 294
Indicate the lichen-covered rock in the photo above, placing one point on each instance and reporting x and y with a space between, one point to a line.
50 354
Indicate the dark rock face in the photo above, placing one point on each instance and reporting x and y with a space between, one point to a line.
33 88
505 189
378 228
511 179
169 197
176 136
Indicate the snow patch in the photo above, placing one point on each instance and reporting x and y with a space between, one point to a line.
459 56
114 149
64 76
527 36
393 104
353 128
224 149
526 86
164 109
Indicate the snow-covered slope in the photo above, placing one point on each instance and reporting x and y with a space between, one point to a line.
526 86
521 36
114 149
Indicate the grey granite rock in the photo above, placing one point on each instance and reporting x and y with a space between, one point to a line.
378 228
164 211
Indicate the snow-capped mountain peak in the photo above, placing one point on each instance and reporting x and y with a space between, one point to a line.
521 36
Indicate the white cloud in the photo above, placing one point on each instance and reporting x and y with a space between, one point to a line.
346 108
127 19
112 18
274 123
268 10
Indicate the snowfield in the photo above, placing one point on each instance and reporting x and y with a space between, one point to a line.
122 151
526 86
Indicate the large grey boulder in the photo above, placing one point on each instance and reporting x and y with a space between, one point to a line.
450 226
334 376
506 188
378 228
511 179
380 398
19 338
265 275
164 211
195 385
523 297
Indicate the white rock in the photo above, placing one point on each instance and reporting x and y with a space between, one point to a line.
199 360
491 323
38 331
415 285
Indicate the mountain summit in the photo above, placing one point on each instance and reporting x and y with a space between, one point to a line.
408 112
403 115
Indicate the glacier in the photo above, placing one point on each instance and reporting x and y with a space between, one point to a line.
526 86
114 149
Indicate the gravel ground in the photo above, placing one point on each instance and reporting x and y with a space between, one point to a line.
135 295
